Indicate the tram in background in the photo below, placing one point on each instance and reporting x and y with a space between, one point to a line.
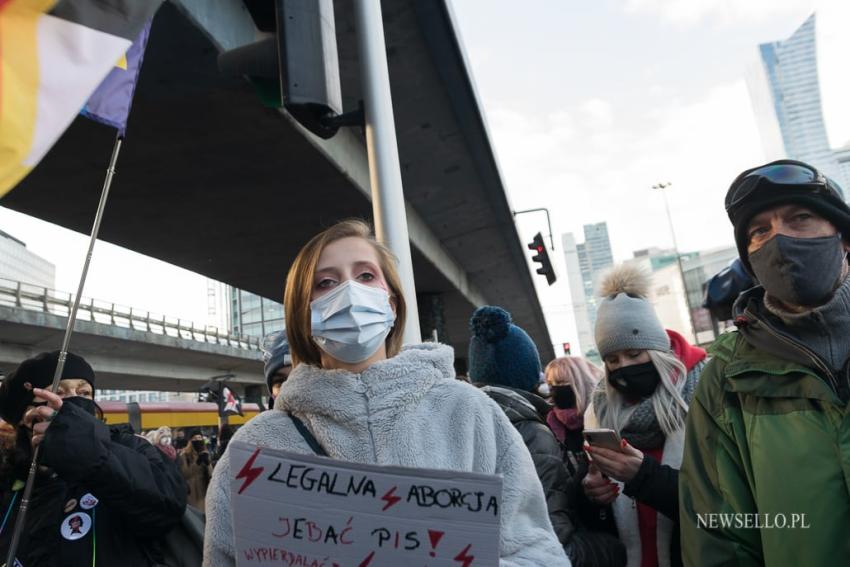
144 416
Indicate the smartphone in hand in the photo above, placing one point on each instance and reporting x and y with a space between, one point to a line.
606 438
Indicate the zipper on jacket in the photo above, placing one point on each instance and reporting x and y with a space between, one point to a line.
811 355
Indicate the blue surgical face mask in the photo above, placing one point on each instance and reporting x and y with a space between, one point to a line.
352 322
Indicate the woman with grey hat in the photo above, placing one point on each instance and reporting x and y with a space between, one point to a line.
650 374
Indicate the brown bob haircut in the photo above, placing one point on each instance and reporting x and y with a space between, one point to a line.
299 289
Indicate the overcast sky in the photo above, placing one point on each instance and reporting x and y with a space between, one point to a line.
589 104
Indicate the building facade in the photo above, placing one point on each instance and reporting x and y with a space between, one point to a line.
144 396
698 270
578 293
586 263
18 264
254 316
842 155
680 308
785 92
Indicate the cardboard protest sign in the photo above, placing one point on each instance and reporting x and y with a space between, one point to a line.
303 510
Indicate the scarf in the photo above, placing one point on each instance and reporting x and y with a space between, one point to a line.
562 421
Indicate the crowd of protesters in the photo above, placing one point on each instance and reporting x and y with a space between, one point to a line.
755 426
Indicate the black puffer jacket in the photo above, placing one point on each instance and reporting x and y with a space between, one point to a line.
107 498
527 413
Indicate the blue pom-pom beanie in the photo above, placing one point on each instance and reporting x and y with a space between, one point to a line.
501 353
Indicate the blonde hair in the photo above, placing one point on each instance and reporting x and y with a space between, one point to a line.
582 374
299 289
667 402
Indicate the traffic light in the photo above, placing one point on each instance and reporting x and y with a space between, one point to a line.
567 349
298 66
542 256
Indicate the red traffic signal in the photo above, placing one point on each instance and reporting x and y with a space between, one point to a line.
542 257
567 349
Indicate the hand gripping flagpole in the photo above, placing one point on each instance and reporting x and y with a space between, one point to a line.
63 353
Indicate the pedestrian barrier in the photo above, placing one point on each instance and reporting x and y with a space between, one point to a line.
37 298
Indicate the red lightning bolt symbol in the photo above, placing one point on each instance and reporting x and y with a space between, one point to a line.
390 498
249 472
463 557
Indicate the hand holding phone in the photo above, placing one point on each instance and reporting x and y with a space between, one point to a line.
606 438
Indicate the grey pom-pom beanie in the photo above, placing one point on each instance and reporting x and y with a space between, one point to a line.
625 319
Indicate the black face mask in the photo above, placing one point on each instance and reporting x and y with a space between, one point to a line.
198 446
636 381
86 405
799 271
564 397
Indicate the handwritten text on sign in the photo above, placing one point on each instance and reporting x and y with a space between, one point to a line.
308 511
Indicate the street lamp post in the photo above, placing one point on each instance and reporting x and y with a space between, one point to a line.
661 187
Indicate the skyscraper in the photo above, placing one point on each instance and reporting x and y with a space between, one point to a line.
598 246
599 258
589 259
578 293
785 92
843 157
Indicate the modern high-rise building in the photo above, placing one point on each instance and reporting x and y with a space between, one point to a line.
597 259
20 265
254 316
584 266
578 293
598 246
785 92
842 155
590 260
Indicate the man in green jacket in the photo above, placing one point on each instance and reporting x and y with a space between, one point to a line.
765 478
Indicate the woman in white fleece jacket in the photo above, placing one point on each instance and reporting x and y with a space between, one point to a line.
368 401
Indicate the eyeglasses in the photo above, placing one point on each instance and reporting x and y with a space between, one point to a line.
791 173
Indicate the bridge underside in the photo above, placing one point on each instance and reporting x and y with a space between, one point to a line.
211 180
127 359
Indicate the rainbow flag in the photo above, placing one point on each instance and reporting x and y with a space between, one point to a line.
53 55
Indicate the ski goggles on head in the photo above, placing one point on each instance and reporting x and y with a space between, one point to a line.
793 174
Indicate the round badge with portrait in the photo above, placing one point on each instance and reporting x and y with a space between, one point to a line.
88 501
76 526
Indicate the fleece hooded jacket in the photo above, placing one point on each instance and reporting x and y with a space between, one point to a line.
407 411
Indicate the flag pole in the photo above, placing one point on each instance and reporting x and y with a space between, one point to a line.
63 353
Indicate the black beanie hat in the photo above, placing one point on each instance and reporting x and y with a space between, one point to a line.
827 203
38 372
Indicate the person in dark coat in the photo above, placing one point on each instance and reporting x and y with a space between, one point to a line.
505 363
195 465
103 495
571 381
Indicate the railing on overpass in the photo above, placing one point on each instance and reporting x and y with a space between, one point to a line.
35 298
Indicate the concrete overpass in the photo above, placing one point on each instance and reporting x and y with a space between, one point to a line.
129 350
213 181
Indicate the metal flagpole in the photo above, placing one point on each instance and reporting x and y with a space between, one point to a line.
384 171
63 353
